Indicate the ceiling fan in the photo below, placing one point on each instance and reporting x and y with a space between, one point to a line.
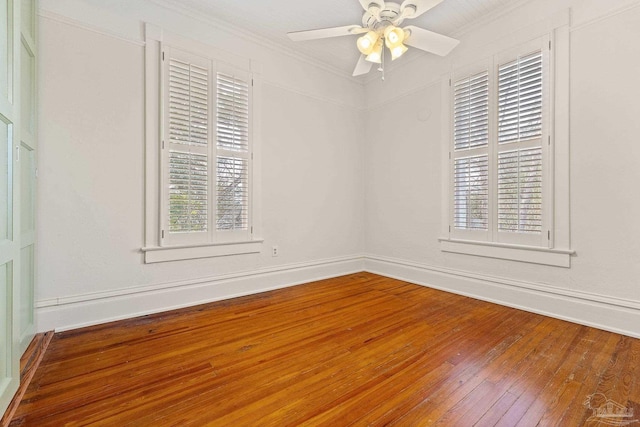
381 26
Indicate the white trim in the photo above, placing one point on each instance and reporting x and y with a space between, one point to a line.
272 45
93 28
511 40
598 311
606 16
181 252
201 245
155 33
269 43
77 311
530 254
555 145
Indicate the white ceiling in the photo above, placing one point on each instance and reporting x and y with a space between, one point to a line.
272 19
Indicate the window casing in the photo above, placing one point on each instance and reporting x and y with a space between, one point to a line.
552 246
202 170
499 163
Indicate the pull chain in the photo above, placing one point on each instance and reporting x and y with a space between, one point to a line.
381 67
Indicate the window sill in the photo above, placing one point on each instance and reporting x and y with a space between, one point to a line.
176 253
530 254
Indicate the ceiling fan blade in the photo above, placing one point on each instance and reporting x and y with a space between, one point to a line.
324 33
429 41
362 67
420 6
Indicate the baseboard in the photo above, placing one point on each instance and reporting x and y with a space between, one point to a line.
598 311
78 311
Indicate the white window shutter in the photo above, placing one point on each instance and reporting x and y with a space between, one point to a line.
232 113
471 193
186 155
520 190
470 160
188 103
520 157
233 151
471 112
206 154
520 99
188 192
501 184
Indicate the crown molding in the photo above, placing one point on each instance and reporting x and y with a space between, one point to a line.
610 14
47 14
488 18
268 43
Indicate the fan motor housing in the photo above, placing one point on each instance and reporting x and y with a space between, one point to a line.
388 16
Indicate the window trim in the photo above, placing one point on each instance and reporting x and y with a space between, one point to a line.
530 254
182 252
559 252
493 148
154 250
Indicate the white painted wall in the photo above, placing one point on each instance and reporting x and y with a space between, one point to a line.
404 169
337 181
91 186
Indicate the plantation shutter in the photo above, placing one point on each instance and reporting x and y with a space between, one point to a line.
520 99
233 150
520 190
501 185
187 128
471 112
206 156
470 153
520 157
471 193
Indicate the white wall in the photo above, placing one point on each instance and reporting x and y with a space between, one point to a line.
337 181
91 178
404 172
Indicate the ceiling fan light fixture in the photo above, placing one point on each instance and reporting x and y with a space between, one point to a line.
367 43
381 26
376 54
394 36
398 51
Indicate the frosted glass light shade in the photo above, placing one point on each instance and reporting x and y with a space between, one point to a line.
398 51
376 54
367 43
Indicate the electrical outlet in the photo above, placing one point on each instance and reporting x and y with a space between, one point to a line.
274 251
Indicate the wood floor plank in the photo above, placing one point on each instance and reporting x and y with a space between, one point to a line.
540 368
361 349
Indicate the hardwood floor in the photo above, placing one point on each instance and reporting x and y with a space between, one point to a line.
28 364
356 350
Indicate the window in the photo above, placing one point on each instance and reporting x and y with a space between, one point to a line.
501 169
206 154
497 151
200 151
